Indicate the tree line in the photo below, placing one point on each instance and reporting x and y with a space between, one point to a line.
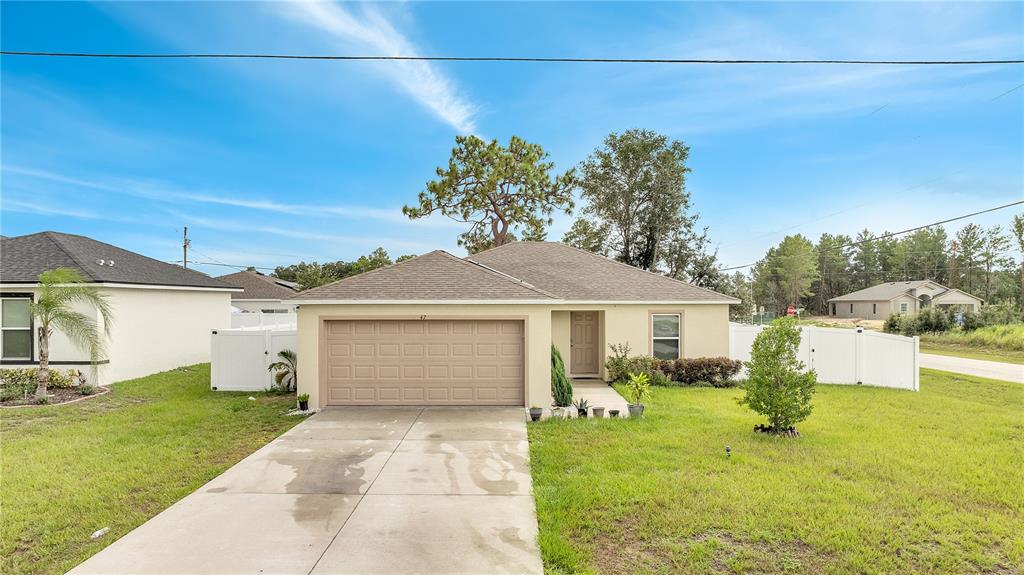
976 260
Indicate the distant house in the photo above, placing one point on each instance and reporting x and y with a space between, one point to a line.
882 300
261 293
162 313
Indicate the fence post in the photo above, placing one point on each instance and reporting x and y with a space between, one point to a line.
858 356
917 363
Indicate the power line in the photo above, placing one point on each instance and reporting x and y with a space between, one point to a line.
194 262
258 56
906 231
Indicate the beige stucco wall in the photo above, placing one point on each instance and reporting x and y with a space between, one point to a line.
880 309
152 330
159 329
957 298
705 332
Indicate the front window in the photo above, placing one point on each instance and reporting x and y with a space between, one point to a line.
16 324
665 336
903 308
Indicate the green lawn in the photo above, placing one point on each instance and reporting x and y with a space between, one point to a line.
881 481
117 460
989 354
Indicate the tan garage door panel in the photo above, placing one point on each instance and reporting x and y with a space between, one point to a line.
431 362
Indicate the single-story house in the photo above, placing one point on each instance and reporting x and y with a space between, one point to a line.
162 313
442 330
261 293
882 300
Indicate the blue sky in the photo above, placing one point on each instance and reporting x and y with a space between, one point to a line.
270 162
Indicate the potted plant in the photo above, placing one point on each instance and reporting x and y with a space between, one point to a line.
613 413
536 412
303 401
581 406
598 412
638 388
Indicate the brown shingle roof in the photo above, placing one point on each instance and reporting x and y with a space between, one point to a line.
257 286
437 275
577 275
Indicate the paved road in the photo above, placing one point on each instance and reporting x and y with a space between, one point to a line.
355 490
980 368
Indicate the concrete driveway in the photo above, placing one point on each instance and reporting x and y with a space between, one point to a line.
355 490
977 367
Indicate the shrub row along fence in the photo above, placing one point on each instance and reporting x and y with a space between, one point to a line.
260 319
239 357
846 356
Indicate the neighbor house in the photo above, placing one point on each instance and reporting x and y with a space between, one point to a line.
162 313
260 293
882 300
444 330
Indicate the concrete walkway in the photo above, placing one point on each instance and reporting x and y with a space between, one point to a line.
977 367
355 490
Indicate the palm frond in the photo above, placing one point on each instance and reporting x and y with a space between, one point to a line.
81 330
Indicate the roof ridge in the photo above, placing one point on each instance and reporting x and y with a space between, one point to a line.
54 237
614 261
502 275
366 273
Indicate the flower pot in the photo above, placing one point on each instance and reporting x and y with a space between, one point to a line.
304 405
599 412
636 410
535 413
581 413
613 413
559 412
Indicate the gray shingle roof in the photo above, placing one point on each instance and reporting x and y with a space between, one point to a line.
574 274
258 286
886 291
23 258
437 275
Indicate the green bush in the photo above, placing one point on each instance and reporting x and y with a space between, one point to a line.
561 388
28 376
703 371
659 379
615 365
638 388
776 386
87 389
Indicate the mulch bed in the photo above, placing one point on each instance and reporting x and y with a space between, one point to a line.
58 396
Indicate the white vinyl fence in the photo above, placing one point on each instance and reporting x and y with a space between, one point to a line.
260 319
846 356
239 357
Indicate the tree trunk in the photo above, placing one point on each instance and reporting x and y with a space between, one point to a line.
44 361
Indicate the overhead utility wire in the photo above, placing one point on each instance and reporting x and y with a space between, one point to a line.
502 58
901 232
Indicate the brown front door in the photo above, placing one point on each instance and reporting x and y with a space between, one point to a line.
428 362
583 340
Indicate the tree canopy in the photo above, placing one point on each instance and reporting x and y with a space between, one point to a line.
499 190
313 274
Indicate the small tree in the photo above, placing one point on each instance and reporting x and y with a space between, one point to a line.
285 370
59 291
777 387
561 388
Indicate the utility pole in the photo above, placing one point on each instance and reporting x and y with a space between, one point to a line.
184 248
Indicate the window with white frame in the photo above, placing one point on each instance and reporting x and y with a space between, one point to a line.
903 307
16 324
665 340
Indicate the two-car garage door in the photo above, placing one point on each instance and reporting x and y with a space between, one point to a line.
423 362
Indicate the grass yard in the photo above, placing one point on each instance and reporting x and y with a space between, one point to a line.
117 460
881 481
988 354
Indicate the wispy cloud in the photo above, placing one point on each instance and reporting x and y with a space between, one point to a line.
168 193
13 205
372 31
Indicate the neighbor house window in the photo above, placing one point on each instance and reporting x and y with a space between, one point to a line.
16 324
874 308
833 309
665 336
851 308
903 307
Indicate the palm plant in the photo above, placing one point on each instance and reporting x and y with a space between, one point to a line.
59 291
286 370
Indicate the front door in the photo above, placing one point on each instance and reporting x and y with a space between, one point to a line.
583 341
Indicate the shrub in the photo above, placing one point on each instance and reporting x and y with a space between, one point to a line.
970 321
86 389
615 365
659 379
1000 314
892 323
713 371
561 388
776 386
62 379
638 388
